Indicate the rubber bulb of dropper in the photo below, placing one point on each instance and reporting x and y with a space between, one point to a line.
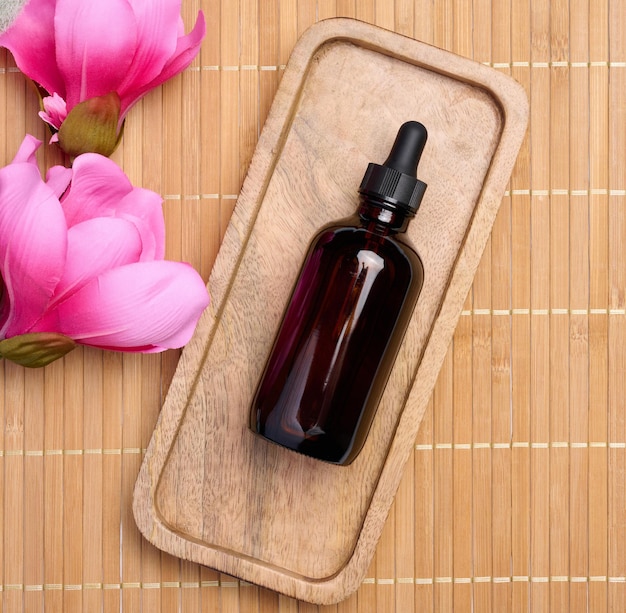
407 148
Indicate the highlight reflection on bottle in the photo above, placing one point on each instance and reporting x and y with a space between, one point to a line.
346 317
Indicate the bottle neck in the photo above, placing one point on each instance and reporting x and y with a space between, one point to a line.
386 220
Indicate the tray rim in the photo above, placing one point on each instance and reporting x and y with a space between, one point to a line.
513 104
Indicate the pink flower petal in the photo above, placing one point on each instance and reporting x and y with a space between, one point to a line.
101 189
98 185
144 209
33 242
187 48
95 46
31 41
55 110
58 179
147 306
156 41
28 149
93 247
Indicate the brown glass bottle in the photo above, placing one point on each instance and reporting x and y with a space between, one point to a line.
346 317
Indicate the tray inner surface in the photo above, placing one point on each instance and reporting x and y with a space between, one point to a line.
222 486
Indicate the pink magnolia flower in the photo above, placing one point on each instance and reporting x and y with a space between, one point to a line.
81 256
96 58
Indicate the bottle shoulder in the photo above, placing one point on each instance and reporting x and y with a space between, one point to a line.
351 233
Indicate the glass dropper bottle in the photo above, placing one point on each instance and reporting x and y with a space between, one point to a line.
347 316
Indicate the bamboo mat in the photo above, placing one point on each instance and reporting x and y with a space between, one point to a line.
515 496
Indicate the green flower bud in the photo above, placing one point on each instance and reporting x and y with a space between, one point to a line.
36 349
91 126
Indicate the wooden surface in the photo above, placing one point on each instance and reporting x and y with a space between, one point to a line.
267 515
514 496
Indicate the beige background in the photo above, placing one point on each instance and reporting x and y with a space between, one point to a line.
515 497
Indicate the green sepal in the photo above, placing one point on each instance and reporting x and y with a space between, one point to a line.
92 126
36 349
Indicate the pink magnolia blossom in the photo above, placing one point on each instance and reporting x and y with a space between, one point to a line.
81 256
84 50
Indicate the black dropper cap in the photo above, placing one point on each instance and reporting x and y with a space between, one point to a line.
395 182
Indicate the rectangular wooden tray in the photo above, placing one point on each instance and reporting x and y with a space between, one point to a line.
211 491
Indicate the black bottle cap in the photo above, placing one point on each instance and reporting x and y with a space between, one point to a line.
395 182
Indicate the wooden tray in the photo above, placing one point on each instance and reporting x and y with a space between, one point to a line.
211 491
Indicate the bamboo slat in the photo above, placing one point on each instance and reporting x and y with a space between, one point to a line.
498 482
579 299
598 300
514 497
